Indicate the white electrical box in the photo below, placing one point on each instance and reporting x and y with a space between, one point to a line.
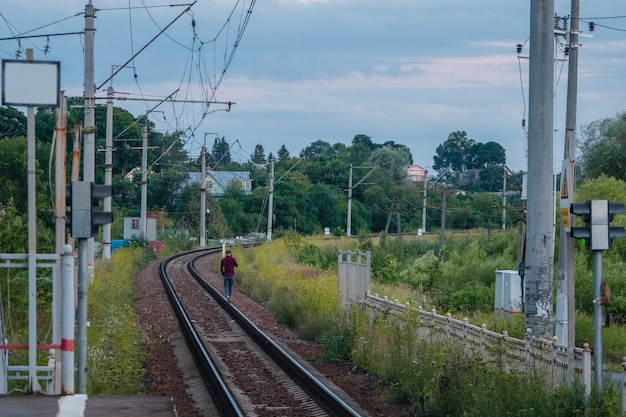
509 292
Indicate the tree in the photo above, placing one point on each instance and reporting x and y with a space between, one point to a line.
317 149
392 161
13 165
491 178
602 148
405 148
12 123
361 149
365 141
162 188
452 153
221 152
258 157
482 154
45 123
328 206
326 171
232 206
283 154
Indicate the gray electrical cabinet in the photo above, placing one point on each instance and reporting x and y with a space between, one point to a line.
508 299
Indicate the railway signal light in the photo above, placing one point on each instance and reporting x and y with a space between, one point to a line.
615 232
584 211
597 216
100 218
81 198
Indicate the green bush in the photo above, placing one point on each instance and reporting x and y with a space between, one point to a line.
284 306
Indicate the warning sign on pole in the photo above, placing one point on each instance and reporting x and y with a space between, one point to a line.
566 193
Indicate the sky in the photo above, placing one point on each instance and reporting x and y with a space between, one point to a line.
299 71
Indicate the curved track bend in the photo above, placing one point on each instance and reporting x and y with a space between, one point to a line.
244 370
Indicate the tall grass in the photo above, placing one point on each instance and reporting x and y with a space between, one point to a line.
438 377
115 353
434 376
303 298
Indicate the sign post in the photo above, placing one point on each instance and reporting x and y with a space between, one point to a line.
32 84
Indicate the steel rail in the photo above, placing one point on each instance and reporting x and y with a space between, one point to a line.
225 400
332 403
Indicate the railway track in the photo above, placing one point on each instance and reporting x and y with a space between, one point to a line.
244 371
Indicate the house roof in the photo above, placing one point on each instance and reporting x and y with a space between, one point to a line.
222 178
228 176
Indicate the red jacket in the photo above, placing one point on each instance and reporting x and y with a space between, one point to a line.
228 265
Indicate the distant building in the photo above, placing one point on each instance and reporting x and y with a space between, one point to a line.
132 228
416 173
130 176
218 181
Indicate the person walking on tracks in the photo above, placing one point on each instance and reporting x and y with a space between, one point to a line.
227 267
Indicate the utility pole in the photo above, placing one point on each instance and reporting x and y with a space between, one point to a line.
424 202
540 239
108 173
504 197
349 221
89 125
85 249
350 188
33 384
203 211
441 174
59 224
144 180
565 306
442 232
270 205
203 196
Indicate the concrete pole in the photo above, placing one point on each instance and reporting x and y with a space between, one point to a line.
108 174
442 232
540 239
81 316
67 320
144 180
424 202
203 198
89 126
33 385
85 246
565 306
270 204
349 221
504 198
59 224
398 223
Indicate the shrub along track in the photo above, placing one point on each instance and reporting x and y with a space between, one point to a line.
164 371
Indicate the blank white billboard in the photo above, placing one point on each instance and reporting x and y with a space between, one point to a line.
30 83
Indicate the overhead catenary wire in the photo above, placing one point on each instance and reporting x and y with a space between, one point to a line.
144 47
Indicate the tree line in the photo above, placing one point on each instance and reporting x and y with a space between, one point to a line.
310 191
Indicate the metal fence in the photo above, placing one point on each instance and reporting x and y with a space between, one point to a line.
45 374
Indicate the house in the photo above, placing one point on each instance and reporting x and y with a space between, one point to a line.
415 173
130 176
218 181
132 228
